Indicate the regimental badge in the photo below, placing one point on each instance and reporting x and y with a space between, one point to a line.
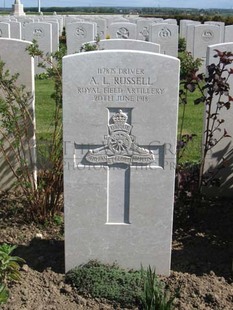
120 146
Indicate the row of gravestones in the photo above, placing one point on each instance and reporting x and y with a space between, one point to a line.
166 35
199 36
45 33
120 123
79 31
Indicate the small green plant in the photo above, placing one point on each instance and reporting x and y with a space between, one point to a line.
88 47
4 294
107 281
188 66
58 219
181 44
9 269
155 296
127 288
9 265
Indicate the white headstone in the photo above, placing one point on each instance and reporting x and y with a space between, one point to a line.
221 25
42 33
116 19
101 27
119 44
228 37
24 21
170 21
79 33
189 34
4 30
190 38
119 157
167 36
204 35
15 30
122 31
219 160
183 24
17 60
143 29
55 34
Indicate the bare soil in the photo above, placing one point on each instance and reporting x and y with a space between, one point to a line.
201 261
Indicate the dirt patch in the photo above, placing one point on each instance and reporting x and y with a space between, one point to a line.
201 261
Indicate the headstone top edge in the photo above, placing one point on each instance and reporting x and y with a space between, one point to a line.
15 40
219 44
120 51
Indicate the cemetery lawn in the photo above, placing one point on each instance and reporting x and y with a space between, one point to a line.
201 260
192 124
44 108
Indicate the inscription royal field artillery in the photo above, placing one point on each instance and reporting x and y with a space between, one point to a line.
118 180
121 151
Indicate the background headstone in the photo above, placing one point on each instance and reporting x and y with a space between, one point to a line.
17 61
221 25
4 30
143 29
15 30
122 30
222 169
204 35
79 33
166 35
228 37
42 33
120 44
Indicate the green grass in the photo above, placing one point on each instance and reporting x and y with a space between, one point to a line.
45 107
193 124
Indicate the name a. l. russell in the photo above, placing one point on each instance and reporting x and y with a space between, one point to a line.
122 80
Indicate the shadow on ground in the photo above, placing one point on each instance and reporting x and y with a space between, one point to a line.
203 238
41 254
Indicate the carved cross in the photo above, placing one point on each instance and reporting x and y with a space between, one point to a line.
119 154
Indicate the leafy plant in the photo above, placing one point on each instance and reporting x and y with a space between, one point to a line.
88 47
155 296
9 265
58 219
9 269
188 66
181 44
4 294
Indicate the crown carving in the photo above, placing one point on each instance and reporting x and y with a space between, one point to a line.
120 122
120 117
